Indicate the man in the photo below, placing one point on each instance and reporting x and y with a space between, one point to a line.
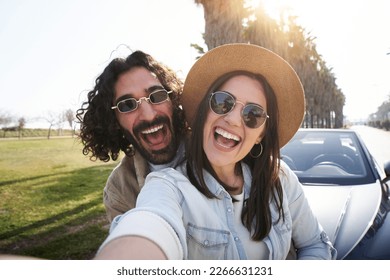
135 108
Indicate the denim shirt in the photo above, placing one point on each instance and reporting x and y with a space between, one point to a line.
205 227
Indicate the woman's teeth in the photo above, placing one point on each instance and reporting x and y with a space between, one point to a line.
227 135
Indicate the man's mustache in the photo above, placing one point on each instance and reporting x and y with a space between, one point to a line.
145 125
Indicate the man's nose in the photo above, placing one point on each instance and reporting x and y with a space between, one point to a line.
147 112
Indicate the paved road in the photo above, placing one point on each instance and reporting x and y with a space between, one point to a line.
377 141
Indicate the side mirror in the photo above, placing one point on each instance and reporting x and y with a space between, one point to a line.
387 179
387 169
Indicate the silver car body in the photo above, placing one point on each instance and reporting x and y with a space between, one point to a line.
350 200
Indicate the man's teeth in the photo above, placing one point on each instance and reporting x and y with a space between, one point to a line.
227 135
152 130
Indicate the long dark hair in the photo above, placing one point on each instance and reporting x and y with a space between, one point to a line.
100 132
265 186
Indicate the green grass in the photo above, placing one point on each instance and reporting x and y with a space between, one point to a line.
35 132
51 199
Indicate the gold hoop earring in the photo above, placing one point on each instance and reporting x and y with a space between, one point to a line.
261 151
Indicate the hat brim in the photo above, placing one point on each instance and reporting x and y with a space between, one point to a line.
251 58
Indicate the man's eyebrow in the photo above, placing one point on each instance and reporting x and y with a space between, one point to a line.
148 90
123 97
154 88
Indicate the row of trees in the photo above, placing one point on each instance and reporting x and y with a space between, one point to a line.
234 21
9 123
381 119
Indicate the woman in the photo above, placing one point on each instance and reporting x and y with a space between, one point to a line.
233 198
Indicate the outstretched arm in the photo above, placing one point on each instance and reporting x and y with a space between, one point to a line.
131 248
152 230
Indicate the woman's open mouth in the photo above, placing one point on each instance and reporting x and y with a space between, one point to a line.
225 138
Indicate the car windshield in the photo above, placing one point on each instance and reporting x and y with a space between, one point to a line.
328 157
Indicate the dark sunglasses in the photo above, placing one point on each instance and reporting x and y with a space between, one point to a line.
222 103
131 104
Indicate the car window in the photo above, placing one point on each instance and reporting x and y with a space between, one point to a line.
328 157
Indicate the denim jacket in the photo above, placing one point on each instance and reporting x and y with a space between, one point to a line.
188 225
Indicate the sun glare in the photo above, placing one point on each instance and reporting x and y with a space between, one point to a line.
274 8
252 3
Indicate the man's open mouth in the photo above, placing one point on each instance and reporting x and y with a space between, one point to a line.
154 135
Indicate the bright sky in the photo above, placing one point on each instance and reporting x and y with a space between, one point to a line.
52 51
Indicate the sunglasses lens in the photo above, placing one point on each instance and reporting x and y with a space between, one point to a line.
158 96
127 105
254 116
221 103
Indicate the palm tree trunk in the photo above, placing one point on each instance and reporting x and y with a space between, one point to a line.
223 21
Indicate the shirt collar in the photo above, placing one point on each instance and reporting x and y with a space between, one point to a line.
217 189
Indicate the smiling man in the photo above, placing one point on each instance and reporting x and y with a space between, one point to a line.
135 108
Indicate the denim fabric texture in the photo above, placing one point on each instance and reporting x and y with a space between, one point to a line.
206 228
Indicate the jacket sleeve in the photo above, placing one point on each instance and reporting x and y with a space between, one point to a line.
123 186
157 217
308 236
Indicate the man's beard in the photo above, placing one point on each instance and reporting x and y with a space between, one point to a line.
161 156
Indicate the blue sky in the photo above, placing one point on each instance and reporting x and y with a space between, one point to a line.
52 51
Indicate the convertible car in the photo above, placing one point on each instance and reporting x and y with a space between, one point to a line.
346 189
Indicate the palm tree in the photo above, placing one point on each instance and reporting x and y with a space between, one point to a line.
223 21
232 22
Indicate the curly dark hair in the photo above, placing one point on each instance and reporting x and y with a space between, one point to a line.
100 131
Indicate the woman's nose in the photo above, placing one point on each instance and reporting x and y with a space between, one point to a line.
234 116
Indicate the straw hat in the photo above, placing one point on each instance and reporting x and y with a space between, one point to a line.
233 57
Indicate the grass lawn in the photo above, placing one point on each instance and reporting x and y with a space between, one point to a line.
51 199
